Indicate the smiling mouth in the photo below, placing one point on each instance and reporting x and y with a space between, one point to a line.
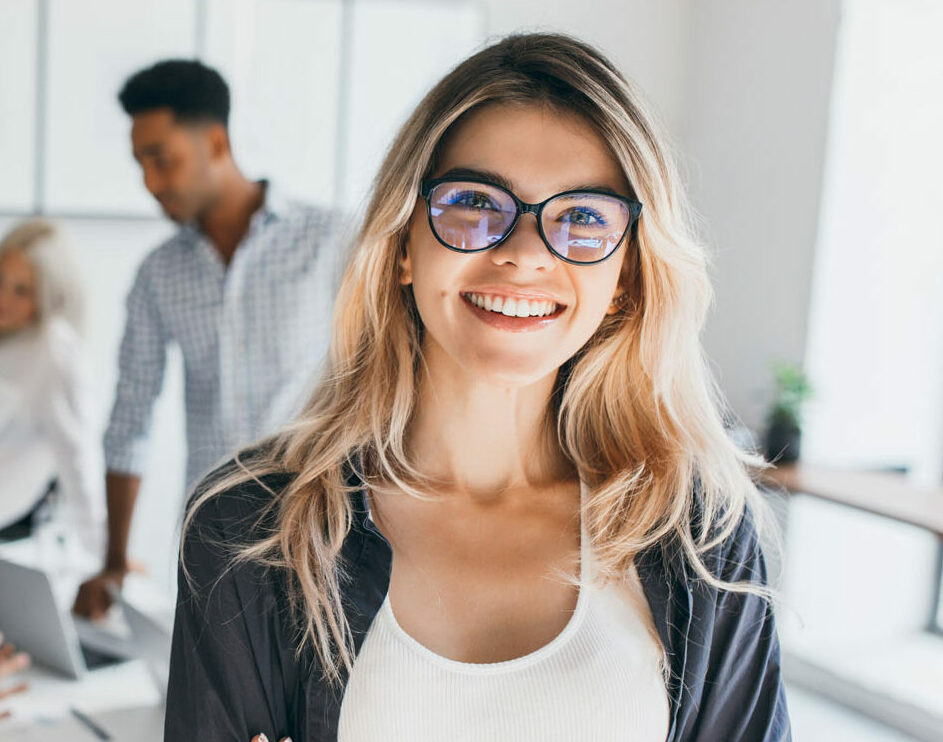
511 307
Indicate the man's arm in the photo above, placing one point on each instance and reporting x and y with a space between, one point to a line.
141 374
94 597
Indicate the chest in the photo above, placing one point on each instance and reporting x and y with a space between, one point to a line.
600 677
484 583
269 304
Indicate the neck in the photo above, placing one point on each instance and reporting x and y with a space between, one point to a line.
226 222
484 440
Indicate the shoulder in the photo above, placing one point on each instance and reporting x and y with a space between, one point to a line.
232 506
58 333
166 256
734 532
59 349
317 222
219 527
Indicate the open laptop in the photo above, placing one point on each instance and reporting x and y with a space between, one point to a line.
32 619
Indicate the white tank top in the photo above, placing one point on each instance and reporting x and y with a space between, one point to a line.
600 679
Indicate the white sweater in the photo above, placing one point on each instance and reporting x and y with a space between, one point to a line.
47 428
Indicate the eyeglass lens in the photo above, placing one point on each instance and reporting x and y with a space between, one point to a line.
582 227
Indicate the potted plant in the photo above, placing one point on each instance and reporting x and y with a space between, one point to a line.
784 431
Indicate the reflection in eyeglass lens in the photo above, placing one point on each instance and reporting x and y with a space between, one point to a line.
471 216
583 227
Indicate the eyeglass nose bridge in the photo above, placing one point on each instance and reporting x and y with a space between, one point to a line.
525 208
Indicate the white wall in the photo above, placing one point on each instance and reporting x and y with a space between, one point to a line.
875 346
755 122
645 39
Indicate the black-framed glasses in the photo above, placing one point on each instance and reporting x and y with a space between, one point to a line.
581 227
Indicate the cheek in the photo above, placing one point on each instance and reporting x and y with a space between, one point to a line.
596 286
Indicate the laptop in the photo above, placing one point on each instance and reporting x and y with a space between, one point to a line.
32 619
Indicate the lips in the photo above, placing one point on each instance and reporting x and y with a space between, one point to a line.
513 313
512 307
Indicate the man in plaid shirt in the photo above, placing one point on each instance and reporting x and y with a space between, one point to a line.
245 289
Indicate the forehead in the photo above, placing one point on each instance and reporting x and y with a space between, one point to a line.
539 149
15 264
155 127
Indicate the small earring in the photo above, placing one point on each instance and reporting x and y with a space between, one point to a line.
619 301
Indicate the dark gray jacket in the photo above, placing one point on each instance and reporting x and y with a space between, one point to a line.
234 670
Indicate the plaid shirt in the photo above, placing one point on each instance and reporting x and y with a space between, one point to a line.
252 334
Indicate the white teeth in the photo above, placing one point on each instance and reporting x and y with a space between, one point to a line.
512 307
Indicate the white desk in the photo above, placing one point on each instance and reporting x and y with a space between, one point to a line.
122 699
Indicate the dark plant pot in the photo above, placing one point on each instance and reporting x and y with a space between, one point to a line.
782 442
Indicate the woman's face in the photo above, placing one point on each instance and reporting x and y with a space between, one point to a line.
539 152
18 303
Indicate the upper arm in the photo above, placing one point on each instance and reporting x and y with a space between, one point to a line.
229 652
743 696
141 360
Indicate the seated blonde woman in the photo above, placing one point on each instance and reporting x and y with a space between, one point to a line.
47 409
510 510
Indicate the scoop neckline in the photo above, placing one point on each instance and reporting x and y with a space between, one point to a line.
490 668
514 663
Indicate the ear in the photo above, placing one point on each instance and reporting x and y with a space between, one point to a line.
218 139
619 300
405 267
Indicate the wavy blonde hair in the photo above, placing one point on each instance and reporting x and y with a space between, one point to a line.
59 291
635 410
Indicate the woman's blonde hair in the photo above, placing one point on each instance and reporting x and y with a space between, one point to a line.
635 410
59 292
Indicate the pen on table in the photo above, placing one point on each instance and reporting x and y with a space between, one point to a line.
91 724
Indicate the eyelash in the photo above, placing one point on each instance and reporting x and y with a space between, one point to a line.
456 199
599 218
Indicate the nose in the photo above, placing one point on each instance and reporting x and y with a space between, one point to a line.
524 247
151 180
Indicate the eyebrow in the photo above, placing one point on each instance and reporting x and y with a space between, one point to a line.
498 179
148 150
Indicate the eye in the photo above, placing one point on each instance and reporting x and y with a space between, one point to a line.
472 200
583 216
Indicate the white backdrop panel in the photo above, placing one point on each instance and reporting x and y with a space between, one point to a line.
281 59
17 103
399 51
89 168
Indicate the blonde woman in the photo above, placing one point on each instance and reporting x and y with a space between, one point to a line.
47 426
510 510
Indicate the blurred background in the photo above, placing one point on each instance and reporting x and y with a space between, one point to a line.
808 132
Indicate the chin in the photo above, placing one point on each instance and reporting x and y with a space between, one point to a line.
511 373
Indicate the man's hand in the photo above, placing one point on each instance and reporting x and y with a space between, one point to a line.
94 598
11 662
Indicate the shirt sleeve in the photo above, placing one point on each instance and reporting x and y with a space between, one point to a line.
233 673
141 362
67 417
743 698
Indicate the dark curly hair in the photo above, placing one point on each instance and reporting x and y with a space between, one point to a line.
193 91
